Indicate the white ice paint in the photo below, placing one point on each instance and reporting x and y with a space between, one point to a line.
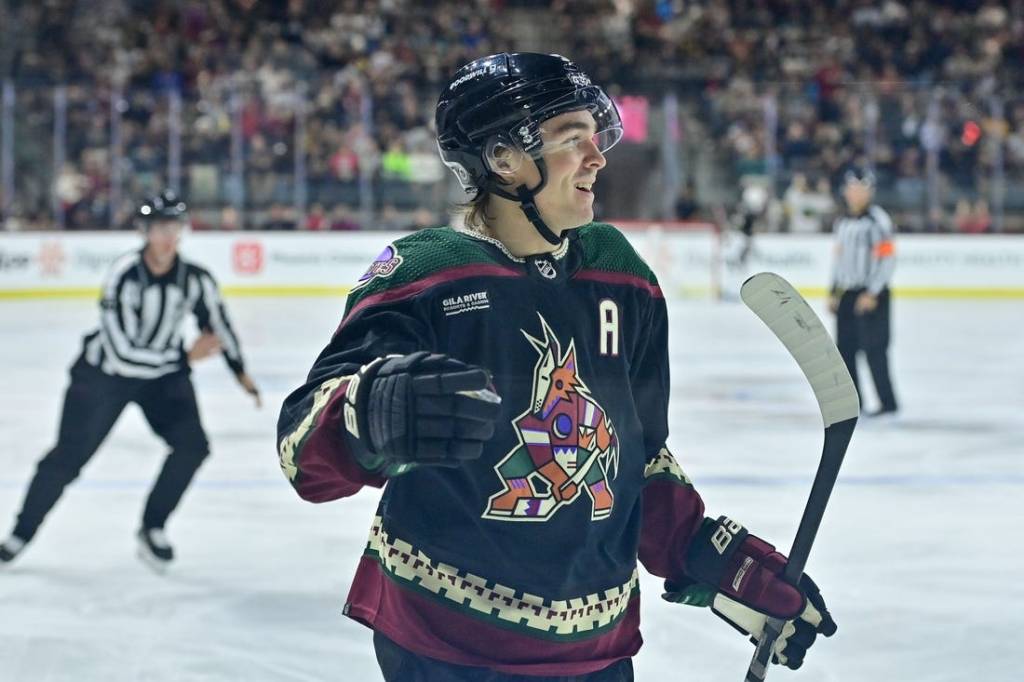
923 585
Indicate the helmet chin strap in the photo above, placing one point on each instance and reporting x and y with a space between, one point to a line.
525 196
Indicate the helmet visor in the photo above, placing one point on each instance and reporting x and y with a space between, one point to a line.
602 139
607 129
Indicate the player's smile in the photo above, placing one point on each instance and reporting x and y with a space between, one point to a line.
573 160
586 189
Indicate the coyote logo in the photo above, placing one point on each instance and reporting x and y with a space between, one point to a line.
567 444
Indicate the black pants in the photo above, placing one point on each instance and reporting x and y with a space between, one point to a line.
93 403
402 665
867 332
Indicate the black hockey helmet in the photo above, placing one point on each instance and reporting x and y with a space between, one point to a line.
861 175
497 104
161 207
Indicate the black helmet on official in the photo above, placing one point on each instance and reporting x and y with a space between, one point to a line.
161 207
495 105
861 175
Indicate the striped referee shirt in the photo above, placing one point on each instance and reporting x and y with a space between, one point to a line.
142 315
864 257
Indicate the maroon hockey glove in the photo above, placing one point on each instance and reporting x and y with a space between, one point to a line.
740 576
418 409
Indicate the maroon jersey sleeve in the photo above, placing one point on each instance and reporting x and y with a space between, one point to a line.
311 447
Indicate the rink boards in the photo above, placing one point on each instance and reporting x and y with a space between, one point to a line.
693 261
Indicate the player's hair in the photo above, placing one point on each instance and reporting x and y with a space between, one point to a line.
472 214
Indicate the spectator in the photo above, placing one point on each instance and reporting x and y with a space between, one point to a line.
972 219
279 218
343 219
687 207
806 209
316 219
362 74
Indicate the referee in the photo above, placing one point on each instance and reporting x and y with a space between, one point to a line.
137 356
864 264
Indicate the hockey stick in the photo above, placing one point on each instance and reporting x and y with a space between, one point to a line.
787 314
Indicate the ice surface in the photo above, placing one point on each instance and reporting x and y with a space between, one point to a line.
918 555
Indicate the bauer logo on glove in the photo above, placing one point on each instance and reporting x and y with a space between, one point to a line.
740 577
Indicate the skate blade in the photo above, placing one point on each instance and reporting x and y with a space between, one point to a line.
155 564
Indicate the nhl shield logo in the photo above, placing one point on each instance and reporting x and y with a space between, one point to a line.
568 449
546 268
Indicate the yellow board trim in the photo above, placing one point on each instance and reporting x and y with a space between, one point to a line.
933 292
250 291
314 291
77 292
285 291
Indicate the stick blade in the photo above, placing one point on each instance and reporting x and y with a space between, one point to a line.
792 320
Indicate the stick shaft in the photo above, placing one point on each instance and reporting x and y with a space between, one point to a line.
774 300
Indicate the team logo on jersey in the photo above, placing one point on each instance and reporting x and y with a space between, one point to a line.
383 266
546 268
568 450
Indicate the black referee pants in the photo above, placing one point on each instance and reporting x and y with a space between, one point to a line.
867 332
92 404
402 665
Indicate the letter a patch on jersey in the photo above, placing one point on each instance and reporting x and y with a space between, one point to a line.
383 265
568 452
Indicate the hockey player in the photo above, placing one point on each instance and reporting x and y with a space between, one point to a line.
860 298
137 355
506 383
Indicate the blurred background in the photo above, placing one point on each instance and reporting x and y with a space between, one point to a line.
318 114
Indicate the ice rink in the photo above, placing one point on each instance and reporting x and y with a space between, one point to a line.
919 554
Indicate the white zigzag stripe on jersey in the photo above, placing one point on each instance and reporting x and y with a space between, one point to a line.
289 444
664 464
552 616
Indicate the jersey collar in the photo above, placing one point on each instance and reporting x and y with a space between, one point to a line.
557 254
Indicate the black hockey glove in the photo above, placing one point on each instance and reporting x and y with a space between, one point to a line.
740 576
418 409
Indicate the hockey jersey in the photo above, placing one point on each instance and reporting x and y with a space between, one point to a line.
864 251
524 561
140 335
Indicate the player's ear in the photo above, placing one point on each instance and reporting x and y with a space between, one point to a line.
503 158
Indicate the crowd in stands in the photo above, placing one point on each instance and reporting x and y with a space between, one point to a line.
791 90
362 75
800 89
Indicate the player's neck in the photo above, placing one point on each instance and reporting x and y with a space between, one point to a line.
511 227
